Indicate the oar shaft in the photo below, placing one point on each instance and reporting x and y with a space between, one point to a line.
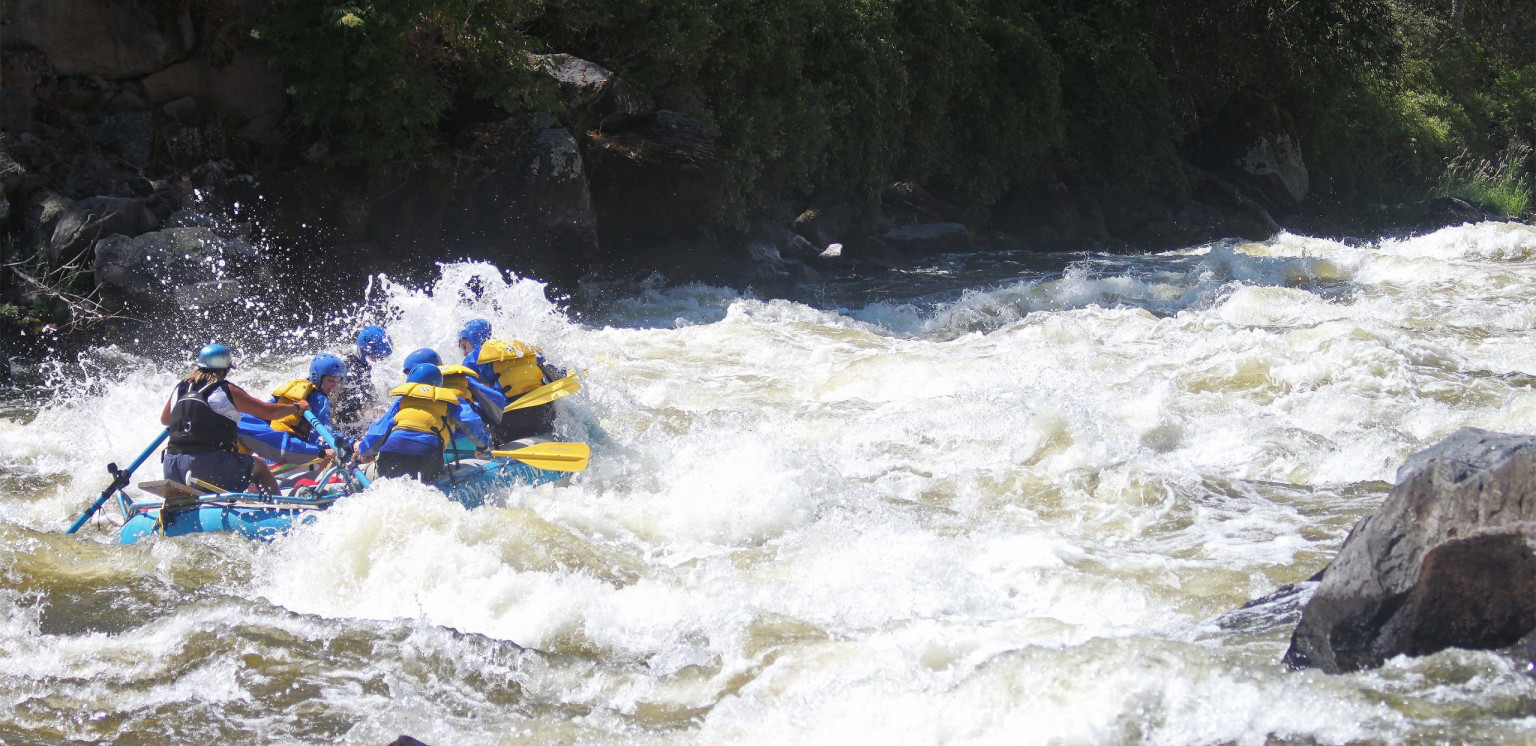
119 480
330 440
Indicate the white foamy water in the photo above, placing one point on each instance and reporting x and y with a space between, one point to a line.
1017 513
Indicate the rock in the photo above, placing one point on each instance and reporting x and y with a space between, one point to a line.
263 129
872 251
40 214
182 109
126 101
185 268
655 183
1448 560
907 203
594 98
1254 146
15 109
243 87
12 175
1278 157
515 195
84 222
1444 211
825 224
930 238
116 40
1043 215
130 133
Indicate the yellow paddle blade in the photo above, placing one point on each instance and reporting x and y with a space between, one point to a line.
551 456
546 393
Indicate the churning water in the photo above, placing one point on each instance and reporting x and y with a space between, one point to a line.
983 501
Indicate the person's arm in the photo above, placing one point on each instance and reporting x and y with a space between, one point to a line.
470 424
165 414
378 433
268 411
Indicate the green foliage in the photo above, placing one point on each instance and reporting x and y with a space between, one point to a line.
968 97
1502 186
377 78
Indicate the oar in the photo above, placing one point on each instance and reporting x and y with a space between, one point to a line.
330 440
546 393
551 456
120 479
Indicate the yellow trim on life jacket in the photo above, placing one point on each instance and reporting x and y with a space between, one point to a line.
516 365
425 392
295 391
424 409
458 370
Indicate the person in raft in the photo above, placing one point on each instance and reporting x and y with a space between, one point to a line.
325 374
357 400
514 369
409 440
203 415
486 401
291 439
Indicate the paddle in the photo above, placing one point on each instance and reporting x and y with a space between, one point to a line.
546 393
551 456
330 440
120 479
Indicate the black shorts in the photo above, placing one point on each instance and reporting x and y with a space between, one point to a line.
230 472
426 468
522 423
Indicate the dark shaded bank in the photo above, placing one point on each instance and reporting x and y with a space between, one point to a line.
160 159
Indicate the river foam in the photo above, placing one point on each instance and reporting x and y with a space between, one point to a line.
1013 512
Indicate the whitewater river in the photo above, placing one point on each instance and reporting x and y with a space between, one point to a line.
992 499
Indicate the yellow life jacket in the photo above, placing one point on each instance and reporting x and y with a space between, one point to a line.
457 377
294 391
424 409
516 366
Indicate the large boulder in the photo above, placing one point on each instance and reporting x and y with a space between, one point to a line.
86 221
655 183
516 194
1255 148
187 268
594 98
242 86
1448 560
115 39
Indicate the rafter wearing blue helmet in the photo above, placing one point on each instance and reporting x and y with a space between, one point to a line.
514 369
357 395
204 414
325 374
411 437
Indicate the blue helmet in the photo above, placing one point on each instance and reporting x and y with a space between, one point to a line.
373 342
326 364
215 357
426 373
423 355
477 331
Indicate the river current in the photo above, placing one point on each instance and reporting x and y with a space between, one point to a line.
997 498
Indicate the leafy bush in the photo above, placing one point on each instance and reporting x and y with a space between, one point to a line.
378 78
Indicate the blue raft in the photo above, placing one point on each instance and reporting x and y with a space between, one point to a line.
181 510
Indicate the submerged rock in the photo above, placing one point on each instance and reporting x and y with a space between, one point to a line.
186 268
1449 560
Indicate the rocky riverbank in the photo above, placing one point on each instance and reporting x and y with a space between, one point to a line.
149 159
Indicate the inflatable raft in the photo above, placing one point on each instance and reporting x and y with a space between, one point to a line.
181 509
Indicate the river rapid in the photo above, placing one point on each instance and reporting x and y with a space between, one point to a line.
997 498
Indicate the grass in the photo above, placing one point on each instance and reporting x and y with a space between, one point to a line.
1502 186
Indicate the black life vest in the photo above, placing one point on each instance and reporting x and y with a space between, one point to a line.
195 427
